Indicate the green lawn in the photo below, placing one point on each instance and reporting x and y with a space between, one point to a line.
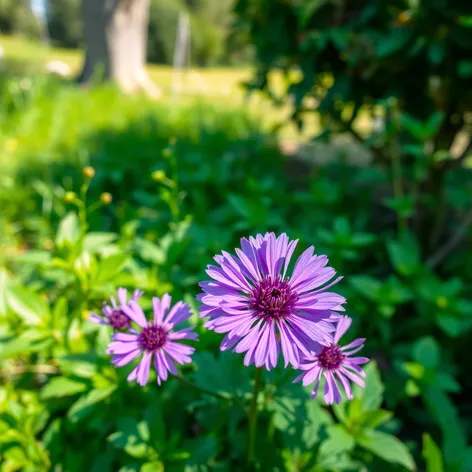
213 83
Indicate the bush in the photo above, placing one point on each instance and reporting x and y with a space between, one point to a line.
394 77
185 183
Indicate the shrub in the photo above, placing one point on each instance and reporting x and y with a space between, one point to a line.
394 77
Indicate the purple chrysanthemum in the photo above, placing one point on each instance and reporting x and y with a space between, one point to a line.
154 338
335 364
261 309
114 314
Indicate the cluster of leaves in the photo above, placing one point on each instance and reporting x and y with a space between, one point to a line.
393 76
185 185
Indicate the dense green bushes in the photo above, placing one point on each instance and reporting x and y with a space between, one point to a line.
396 78
231 181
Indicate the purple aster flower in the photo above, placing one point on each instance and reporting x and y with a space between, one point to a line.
155 338
261 309
335 364
114 314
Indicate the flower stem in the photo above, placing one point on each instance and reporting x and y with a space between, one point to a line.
253 415
202 390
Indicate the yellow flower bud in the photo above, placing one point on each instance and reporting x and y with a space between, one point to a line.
70 197
89 172
158 176
167 152
172 141
106 198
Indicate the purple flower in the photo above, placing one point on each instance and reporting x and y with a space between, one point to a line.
114 315
261 309
335 364
155 338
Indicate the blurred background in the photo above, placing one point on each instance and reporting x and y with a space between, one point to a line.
138 138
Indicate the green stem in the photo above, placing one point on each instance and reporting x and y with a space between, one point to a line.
253 415
202 390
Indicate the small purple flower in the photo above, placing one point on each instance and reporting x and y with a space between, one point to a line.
335 364
261 309
114 315
155 338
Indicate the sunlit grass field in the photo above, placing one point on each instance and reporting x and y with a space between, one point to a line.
193 83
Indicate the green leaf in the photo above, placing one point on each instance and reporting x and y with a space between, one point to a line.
445 414
432 455
110 266
155 466
464 69
367 286
29 341
466 21
129 439
426 351
224 374
387 447
59 387
29 306
4 284
339 440
371 395
149 252
404 255
85 405
451 325
203 451
373 418
96 241
68 230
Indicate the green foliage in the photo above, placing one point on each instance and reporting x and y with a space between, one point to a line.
393 77
187 181
65 22
16 17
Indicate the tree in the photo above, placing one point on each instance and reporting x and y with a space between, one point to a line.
115 36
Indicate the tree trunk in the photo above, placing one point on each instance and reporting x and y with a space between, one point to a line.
115 34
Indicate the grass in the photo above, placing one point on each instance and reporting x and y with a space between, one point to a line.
210 83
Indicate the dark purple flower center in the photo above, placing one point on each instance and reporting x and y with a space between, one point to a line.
273 298
152 338
118 319
330 357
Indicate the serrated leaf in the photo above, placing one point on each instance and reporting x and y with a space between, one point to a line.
432 455
59 387
387 447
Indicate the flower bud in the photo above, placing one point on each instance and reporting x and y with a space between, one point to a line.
106 198
70 197
158 176
89 172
